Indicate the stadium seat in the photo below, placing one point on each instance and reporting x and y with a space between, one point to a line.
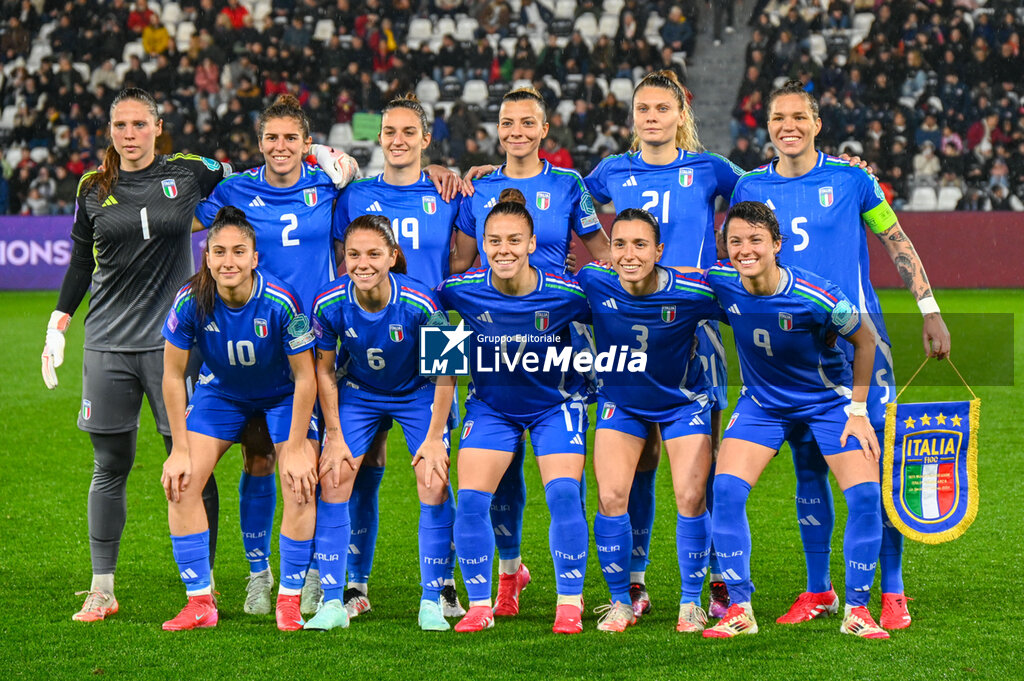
324 30
495 91
445 26
340 136
83 69
149 67
923 198
428 91
121 69
552 83
622 88
7 118
819 48
261 11
420 29
653 30
561 28
14 156
565 9
361 153
509 45
565 107
586 24
608 24
39 154
602 83
862 22
171 13
133 48
465 29
492 112
475 92
451 89
186 30
949 197
613 6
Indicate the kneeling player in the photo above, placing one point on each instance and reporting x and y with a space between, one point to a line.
255 339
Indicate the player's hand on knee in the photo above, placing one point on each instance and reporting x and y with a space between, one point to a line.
434 456
333 458
53 350
298 470
338 165
860 427
177 473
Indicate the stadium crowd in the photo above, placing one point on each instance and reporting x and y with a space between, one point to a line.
929 93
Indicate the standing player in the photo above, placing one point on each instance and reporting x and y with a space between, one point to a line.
668 174
376 311
258 345
423 223
654 312
822 205
132 243
559 205
781 318
514 309
289 204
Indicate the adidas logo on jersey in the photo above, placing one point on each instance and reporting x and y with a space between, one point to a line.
212 327
611 569
374 207
328 580
572 574
256 202
492 203
731 575
809 520
699 574
631 182
578 440
734 308
437 583
770 204
486 317
351 333
611 303
479 579
696 421
110 201
189 573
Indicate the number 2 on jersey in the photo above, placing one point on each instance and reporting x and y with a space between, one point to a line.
293 224
652 203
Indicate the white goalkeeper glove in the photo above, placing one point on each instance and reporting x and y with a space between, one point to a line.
53 351
338 165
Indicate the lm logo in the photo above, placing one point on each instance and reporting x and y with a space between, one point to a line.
444 350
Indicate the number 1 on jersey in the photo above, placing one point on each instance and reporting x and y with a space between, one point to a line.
409 228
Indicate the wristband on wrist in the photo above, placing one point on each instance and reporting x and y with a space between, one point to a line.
928 305
857 409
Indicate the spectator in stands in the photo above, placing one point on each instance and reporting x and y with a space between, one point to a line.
1000 198
591 91
479 61
576 51
677 33
551 150
559 130
105 75
524 59
236 13
494 17
611 110
667 62
981 131
974 200
929 131
135 76
64 194
155 37
722 14
926 164
582 125
449 60
743 155
139 17
748 118
535 17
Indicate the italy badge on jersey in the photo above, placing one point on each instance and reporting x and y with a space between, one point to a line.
541 319
396 333
261 327
543 200
825 196
429 205
86 410
785 321
668 313
685 177
930 461
608 411
309 196
170 188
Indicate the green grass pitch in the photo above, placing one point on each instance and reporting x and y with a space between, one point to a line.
965 592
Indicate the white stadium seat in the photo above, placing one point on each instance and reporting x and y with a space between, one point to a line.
949 197
923 198
428 91
475 92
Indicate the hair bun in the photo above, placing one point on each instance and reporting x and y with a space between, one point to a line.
512 195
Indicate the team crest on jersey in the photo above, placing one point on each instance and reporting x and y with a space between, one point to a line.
785 321
309 196
543 200
541 320
668 313
170 189
467 429
826 196
429 205
608 411
685 177
261 327
397 333
86 410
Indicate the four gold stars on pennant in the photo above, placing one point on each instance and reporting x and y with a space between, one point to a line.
926 420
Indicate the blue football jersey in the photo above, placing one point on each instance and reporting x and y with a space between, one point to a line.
661 325
559 204
421 220
293 224
510 330
246 347
680 195
822 215
785 360
383 345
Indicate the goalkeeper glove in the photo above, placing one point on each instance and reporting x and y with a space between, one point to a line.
53 351
338 165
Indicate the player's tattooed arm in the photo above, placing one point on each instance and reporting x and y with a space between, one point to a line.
908 263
